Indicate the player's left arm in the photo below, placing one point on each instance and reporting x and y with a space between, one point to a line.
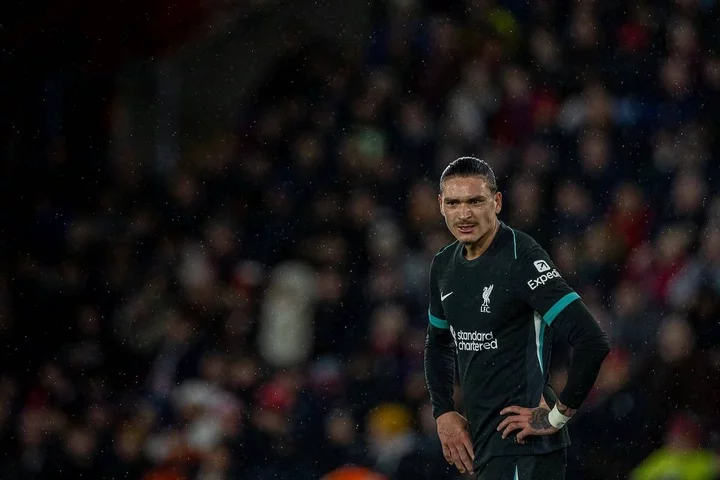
590 346
542 287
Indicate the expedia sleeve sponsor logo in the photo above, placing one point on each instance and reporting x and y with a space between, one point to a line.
474 341
541 266
543 279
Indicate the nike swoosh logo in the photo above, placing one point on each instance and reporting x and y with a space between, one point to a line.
443 297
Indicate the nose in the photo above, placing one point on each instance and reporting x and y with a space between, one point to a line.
464 211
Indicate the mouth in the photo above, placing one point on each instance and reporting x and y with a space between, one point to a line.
465 228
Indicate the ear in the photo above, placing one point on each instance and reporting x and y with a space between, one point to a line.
498 202
442 206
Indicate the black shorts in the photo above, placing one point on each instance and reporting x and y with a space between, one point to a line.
549 466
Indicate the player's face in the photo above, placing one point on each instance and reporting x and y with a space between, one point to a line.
470 208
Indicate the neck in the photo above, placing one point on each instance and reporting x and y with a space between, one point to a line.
474 250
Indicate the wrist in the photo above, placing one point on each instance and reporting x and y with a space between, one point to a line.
556 418
566 410
440 412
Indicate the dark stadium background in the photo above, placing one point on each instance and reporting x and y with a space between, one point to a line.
218 217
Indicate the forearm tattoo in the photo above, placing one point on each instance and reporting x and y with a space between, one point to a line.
539 419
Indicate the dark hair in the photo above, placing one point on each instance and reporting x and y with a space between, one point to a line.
470 167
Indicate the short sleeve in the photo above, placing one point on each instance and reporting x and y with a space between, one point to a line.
539 283
436 316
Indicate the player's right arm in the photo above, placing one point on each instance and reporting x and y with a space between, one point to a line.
440 380
440 369
439 351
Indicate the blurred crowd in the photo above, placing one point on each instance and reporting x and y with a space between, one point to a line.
256 309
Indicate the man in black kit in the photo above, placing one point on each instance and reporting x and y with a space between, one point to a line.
496 303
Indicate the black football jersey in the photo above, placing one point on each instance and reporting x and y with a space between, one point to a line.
500 309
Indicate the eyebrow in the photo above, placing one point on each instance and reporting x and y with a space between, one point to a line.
467 199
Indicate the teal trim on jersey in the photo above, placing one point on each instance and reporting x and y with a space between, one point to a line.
437 322
539 339
516 474
541 345
514 243
559 306
446 247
